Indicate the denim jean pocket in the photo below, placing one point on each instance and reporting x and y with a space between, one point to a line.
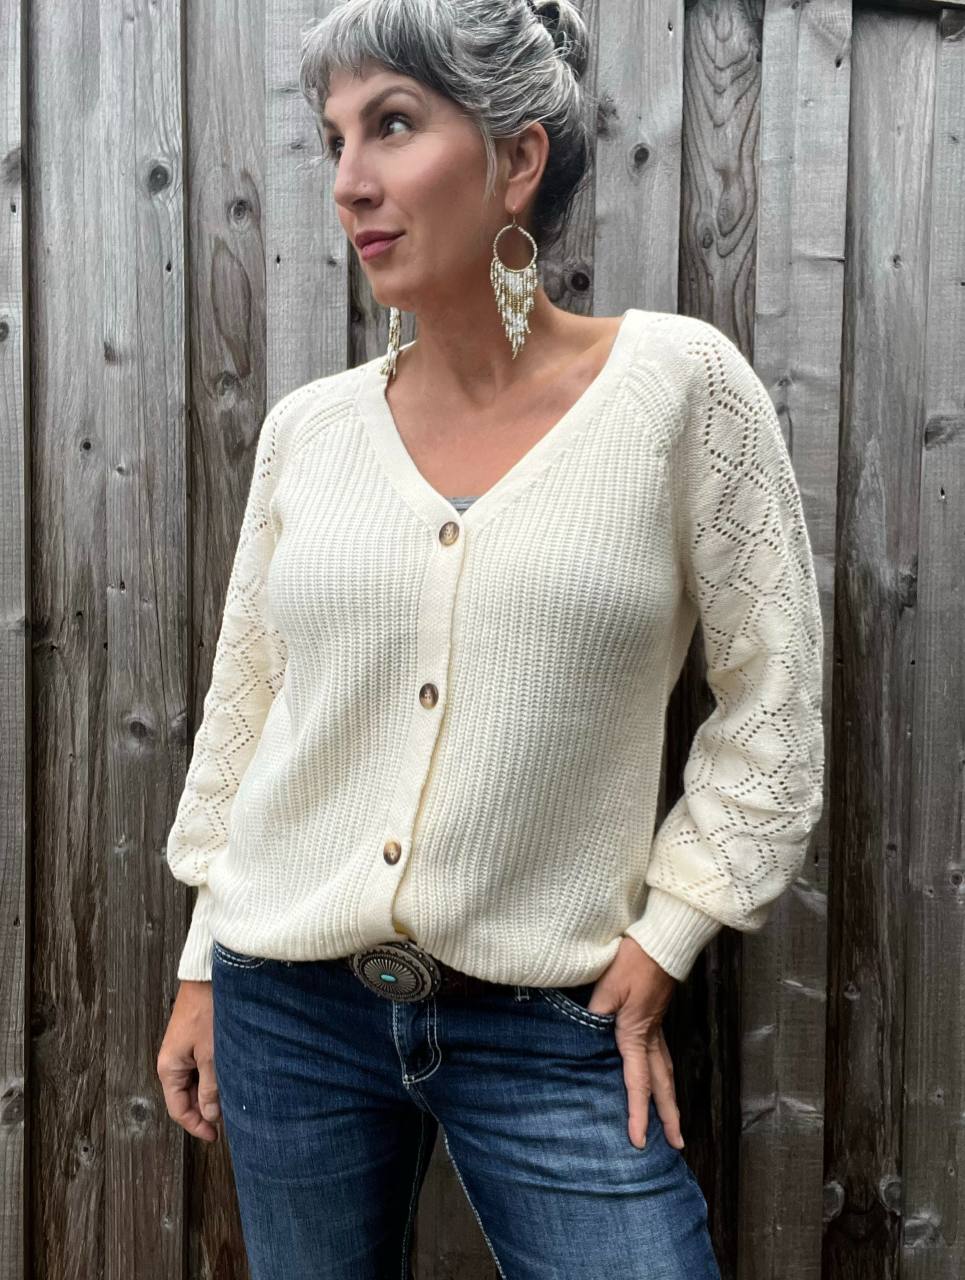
237 959
572 1002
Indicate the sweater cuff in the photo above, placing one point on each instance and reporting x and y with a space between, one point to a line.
672 932
196 956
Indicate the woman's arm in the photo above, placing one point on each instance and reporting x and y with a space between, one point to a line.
247 673
753 779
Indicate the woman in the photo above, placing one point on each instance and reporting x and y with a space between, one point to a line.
435 720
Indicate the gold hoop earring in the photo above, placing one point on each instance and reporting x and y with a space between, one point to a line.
387 367
514 288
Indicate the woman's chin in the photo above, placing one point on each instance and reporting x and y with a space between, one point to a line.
387 296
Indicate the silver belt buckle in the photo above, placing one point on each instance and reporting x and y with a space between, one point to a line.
397 970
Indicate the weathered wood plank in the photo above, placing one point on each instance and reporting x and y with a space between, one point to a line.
927 1186
798 318
640 86
306 248
886 306
225 216
72 449
14 668
138 309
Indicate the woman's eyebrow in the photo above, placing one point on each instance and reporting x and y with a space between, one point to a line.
375 102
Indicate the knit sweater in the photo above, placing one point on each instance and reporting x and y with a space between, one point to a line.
447 726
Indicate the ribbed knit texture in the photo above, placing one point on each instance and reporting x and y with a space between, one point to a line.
487 688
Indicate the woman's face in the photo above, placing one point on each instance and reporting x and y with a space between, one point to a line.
408 160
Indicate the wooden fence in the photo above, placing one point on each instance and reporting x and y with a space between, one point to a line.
172 264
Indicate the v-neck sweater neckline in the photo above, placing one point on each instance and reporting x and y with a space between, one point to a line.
433 506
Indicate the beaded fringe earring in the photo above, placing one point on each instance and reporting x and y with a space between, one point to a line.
514 288
387 368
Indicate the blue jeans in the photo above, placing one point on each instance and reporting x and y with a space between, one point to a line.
332 1096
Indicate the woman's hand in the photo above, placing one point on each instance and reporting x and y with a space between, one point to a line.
639 990
185 1062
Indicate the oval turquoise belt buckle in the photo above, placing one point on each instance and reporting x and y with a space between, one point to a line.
397 970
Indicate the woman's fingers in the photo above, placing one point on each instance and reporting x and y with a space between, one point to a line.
180 1085
648 1069
185 1062
664 1092
208 1089
636 1078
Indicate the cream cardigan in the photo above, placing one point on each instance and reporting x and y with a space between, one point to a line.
448 726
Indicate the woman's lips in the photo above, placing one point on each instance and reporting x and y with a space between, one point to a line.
378 246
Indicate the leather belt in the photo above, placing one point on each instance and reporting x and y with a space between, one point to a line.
404 971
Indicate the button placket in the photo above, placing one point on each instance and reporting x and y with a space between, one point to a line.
436 606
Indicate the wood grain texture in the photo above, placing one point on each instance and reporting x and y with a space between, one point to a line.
798 319
306 248
15 937
927 1187
640 86
873 751
125 707
106 261
227 328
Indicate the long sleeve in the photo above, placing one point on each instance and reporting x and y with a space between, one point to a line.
753 778
247 672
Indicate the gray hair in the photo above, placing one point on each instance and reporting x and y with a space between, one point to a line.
506 63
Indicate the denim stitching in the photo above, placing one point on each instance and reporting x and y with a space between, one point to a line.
395 1039
445 1138
588 1019
237 964
413 1198
436 1059
433 1021
436 1055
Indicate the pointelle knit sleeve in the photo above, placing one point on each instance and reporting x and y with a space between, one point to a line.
753 778
247 672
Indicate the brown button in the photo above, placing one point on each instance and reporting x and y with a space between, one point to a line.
392 851
448 533
428 695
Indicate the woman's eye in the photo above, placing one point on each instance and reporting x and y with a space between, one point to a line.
332 150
